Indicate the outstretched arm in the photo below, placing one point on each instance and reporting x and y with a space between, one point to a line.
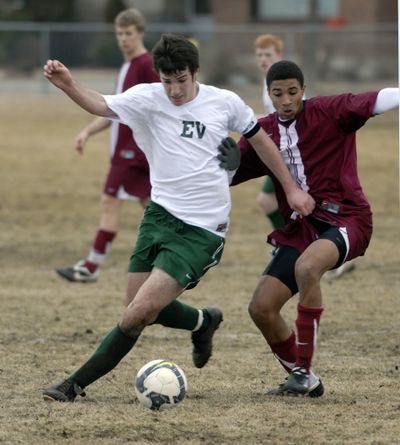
90 100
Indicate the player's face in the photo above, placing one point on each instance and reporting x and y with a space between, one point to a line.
129 40
265 57
180 87
287 97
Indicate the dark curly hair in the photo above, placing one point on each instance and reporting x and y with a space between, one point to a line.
173 53
284 69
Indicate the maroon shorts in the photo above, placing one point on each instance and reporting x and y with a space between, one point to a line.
302 232
127 182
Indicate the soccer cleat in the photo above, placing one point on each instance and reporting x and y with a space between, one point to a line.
315 388
332 275
65 391
202 341
78 273
297 382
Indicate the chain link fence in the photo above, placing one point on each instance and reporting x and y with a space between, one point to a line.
325 53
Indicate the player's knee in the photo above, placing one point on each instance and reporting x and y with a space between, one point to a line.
259 307
137 316
306 272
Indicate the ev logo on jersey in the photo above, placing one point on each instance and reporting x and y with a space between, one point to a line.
189 128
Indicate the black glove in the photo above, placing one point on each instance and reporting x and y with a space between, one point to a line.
229 154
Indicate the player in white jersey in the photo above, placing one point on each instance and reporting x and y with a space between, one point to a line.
192 187
179 124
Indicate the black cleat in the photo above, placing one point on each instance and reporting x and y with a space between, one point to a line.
317 390
202 341
65 391
78 273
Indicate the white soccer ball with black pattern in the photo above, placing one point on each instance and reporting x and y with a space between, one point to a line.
160 384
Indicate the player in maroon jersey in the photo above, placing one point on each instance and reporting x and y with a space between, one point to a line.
128 175
317 140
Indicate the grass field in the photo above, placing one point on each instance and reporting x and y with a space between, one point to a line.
48 213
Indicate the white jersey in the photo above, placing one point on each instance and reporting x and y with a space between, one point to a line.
180 143
268 106
114 124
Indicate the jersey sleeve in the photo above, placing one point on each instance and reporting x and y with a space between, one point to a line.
350 111
132 105
241 117
251 166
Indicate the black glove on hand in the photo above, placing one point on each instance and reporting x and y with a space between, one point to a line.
229 154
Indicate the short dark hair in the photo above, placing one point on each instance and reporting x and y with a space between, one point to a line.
173 53
284 69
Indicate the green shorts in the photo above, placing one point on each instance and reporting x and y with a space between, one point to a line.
268 185
184 251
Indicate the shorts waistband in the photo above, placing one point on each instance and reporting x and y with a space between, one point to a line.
162 215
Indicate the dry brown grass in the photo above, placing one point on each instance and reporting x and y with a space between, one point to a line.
48 213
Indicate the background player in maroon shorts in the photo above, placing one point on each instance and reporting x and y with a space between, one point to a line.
317 140
128 176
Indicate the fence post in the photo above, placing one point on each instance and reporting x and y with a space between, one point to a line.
44 56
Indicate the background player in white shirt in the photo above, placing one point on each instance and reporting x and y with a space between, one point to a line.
268 49
179 124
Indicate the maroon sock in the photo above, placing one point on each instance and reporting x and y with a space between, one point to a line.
100 247
307 324
286 352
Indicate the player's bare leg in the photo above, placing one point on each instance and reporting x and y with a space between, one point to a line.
110 213
265 306
320 256
268 299
156 292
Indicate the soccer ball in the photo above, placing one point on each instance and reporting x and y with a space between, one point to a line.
160 384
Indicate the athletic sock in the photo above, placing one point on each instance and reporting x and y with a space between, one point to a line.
100 247
307 324
179 315
286 352
276 219
106 357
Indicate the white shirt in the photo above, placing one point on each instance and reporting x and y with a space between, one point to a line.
114 124
180 143
268 106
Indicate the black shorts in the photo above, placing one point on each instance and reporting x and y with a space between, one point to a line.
283 263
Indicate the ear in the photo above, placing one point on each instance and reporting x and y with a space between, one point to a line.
196 74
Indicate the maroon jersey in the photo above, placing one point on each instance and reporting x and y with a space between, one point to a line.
319 148
123 147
